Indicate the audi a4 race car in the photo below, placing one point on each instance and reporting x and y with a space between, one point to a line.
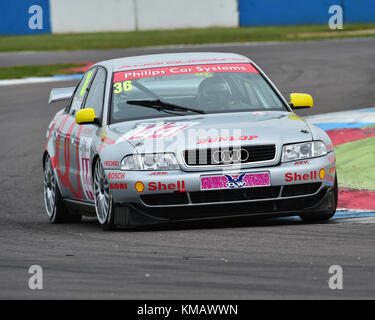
156 138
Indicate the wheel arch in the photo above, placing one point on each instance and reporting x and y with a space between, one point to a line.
94 160
45 154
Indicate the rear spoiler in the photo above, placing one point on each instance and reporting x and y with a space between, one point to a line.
60 94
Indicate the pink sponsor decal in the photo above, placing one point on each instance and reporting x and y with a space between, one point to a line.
167 71
235 181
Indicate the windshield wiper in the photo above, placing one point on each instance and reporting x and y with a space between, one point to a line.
161 105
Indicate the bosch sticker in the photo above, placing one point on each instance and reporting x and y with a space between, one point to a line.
116 175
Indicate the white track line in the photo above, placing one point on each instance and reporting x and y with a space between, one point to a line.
351 116
364 220
32 80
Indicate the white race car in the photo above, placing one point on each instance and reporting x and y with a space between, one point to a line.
165 137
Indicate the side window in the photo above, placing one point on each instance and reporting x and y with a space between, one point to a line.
80 93
96 94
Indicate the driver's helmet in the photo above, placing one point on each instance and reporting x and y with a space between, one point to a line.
214 92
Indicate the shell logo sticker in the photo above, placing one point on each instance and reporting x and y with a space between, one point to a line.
322 173
139 186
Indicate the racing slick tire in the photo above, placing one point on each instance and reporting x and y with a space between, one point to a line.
104 207
55 208
319 217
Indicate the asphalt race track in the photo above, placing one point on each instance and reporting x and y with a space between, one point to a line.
215 260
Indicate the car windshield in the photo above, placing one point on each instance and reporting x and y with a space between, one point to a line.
215 88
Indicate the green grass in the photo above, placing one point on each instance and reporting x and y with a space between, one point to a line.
21 71
357 172
110 40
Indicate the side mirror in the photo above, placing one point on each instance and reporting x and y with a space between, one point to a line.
86 116
301 100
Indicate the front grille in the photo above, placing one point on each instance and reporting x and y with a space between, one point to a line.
231 155
300 189
234 194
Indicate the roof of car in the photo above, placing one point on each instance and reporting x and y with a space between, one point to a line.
172 59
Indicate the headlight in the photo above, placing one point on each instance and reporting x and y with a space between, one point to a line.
150 161
304 150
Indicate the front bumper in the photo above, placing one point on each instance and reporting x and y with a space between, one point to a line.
144 197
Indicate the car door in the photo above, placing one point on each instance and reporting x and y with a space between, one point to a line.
84 138
66 146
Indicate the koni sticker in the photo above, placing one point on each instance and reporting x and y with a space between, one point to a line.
115 186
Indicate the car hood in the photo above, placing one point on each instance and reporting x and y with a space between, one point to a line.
173 134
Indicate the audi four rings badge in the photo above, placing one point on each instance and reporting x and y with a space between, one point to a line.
230 156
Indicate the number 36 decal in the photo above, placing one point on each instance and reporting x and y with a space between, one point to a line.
119 87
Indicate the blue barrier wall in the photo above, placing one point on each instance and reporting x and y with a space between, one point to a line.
15 16
359 11
297 12
284 12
